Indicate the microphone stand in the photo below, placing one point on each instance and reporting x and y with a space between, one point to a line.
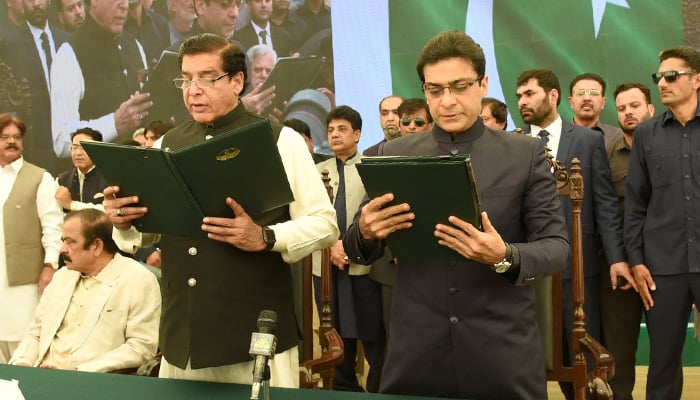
255 390
266 383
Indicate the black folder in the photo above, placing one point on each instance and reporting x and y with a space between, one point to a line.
290 75
435 187
181 187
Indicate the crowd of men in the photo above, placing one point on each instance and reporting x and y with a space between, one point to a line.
92 64
639 215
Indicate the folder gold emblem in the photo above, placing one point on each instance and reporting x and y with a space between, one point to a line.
227 154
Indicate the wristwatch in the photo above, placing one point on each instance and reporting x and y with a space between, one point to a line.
506 263
268 237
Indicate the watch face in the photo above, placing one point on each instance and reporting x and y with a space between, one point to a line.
501 267
269 237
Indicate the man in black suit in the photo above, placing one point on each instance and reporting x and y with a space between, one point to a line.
470 319
98 78
539 94
260 31
661 217
29 50
389 119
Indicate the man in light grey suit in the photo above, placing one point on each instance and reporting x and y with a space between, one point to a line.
100 313
472 318
539 95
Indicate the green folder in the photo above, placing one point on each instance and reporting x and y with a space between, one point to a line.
435 187
290 75
182 187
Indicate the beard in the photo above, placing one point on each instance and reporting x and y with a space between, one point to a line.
536 115
36 17
392 133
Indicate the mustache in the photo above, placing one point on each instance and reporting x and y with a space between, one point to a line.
11 147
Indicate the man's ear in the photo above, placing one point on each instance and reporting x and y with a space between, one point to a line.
97 246
238 80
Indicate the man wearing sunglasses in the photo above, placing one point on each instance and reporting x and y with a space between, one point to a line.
414 116
587 100
662 214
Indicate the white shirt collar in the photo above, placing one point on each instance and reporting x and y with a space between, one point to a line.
265 28
554 128
16 165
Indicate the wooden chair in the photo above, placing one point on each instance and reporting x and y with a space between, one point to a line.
549 291
332 350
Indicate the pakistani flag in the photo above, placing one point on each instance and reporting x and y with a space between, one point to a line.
376 43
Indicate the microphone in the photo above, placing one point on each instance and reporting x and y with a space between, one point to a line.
262 348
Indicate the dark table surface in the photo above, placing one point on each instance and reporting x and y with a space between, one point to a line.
44 384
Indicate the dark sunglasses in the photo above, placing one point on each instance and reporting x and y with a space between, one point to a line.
670 76
406 121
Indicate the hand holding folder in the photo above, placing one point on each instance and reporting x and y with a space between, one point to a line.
435 187
181 187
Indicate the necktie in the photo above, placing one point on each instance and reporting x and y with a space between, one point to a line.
263 36
81 183
544 135
339 203
47 49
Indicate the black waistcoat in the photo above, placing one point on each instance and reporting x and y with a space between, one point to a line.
93 185
110 65
213 292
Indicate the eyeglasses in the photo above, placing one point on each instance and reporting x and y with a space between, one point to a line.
590 92
226 4
202 83
670 76
420 121
17 137
456 88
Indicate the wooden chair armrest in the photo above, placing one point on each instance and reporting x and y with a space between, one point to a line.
324 365
604 370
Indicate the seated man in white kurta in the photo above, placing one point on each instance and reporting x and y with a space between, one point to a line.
100 313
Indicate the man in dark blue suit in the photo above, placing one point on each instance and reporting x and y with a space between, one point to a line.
28 50
470 318
539 94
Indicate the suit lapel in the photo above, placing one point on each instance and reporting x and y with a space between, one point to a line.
54 314
565 141
109 277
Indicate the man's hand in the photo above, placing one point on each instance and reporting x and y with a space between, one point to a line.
45 277
240 231
257 100
330 94
63 197
130 113
276 114
485 247
154 259
645 284
622 270
377 222
121 210
338 256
